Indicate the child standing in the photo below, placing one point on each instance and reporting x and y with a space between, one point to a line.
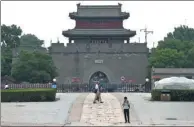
126 107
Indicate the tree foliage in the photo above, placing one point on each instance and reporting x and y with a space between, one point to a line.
175 44
10 35
183 33
167 58
176 50
6 61
29 66
34 67
31 40
10 38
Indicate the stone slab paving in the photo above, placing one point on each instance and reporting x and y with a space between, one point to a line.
157 113
38 113
134 118
108 113
76 109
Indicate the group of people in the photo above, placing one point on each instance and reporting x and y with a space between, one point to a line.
126 105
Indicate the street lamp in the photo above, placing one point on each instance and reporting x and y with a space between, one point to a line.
147 80
146 83
54 80
54 85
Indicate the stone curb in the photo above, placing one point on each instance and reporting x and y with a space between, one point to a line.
75 111
8 124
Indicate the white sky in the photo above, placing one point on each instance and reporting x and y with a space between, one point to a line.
47 19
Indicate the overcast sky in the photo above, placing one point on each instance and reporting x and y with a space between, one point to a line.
47 19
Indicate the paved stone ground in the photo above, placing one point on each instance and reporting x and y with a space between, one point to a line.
38 113
76 109
108 113
82 111
134 118
156 113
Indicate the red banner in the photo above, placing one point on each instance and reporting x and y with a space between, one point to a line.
155 77
75 80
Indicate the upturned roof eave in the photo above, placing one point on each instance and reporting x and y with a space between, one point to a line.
74 15
69 34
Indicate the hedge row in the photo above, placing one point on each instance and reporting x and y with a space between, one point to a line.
176 95
28 95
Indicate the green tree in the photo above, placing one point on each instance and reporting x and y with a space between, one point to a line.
190 58
181 40
30 43
168 58
34 68
6 61
183 33
30 39
180 46
10 38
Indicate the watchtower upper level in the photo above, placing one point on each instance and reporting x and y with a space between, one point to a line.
99 17
98 11
102 21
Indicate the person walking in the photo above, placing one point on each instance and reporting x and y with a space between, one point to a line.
97 92
126 107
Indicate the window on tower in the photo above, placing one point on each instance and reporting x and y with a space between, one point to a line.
99 41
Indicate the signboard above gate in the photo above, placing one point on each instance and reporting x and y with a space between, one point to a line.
98 61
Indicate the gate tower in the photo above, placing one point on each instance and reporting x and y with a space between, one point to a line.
100 43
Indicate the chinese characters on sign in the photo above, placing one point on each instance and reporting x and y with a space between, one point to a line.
98 61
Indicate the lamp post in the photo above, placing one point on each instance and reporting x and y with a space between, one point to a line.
146 83
54 84
54 80
147 80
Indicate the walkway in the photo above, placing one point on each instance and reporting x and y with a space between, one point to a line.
108 113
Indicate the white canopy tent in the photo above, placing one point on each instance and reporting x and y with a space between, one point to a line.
174 83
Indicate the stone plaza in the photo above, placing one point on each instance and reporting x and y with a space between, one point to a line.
99 50
77 109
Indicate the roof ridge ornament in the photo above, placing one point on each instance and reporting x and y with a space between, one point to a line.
58 40
78 5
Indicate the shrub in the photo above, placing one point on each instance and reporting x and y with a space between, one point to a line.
28 95
176 95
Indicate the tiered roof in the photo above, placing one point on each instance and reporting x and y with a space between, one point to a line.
99 32
99 12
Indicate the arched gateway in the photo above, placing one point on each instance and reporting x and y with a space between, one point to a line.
98 77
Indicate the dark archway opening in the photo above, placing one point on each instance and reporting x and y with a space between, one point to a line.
98 77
